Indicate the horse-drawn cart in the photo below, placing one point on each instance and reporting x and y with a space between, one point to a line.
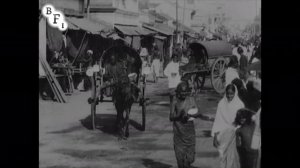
131 63
207 58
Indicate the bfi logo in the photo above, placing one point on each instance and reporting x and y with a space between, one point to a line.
55 18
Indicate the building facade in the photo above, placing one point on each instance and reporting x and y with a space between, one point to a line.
68 7
124 12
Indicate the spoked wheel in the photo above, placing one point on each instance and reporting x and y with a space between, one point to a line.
218 75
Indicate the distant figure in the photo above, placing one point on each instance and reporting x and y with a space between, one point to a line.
155 66
183 126
256 56
232 71
244 134
234 50
144 52
243 64
172 72
223 129
87 62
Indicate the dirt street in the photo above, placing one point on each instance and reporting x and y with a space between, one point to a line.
67 142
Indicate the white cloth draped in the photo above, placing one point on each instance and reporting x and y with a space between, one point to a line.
173 68
226 113
230 75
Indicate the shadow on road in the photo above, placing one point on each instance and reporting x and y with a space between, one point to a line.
103 122
149 163
68 130
107 123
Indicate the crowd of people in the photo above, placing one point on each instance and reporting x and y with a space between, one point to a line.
236 126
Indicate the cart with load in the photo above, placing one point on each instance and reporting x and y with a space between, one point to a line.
207 58
129 59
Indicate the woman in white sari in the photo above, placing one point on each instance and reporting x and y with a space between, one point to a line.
223 129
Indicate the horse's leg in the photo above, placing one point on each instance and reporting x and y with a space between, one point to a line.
127 121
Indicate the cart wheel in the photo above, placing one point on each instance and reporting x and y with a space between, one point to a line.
218 75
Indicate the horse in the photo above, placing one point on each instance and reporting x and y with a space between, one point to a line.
125 90
125 94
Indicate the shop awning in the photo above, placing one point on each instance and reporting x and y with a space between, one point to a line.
87 25
161 28
133 30
160 37
127 30
143 31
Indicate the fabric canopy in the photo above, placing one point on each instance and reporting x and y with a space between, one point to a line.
87 25
143 31
127 30
161 28
214 48
133 30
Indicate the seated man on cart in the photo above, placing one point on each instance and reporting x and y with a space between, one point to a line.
116 72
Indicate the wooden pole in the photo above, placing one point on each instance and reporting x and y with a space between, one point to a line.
176 20
88 9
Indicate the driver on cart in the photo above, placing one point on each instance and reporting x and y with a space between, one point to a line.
115 73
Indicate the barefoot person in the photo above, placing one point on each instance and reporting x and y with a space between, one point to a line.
248 156
183 126
223 129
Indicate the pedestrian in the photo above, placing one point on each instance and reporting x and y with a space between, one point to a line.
256 139
155 66
244 134
172 72
223 130
231 72
183 126
87 62
243 62
256 55
234 50
146 67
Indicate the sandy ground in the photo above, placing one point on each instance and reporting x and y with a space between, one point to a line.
65 140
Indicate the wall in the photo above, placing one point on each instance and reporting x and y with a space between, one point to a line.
127 5
126 19
108 17
76 5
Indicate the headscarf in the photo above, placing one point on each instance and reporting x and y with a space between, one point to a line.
226 113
